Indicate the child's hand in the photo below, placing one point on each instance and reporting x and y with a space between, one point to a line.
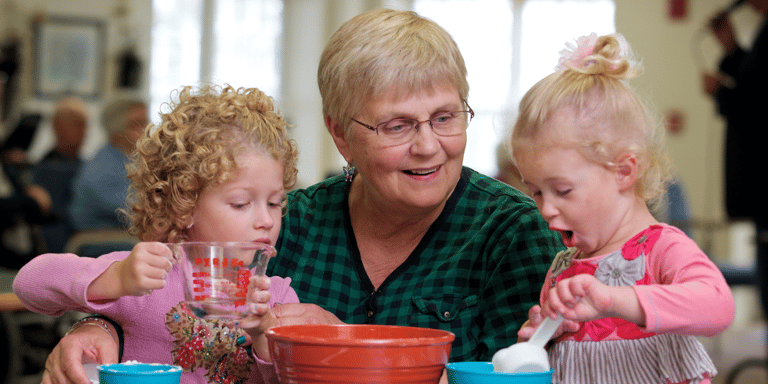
535 318
145 269
260 319
579 298
258 294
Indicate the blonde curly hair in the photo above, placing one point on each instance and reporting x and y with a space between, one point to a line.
194 148
612 120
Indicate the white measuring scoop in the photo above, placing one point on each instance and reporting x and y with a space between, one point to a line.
528 356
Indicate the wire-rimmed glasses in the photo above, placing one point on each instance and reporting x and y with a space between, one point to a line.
402 129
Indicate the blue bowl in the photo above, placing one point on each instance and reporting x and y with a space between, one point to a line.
126 373
479 372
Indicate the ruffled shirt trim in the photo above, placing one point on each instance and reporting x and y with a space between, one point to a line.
661 358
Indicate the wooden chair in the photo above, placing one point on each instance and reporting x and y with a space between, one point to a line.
94 243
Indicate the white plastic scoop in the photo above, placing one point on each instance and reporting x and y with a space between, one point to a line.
528 356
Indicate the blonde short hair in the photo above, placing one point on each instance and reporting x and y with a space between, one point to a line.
382 50
114 118
195 147
612 119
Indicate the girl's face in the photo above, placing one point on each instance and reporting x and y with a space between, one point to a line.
580 199
247 207
420 173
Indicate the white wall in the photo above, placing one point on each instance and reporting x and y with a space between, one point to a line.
672 80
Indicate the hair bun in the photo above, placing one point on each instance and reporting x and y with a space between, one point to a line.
608 55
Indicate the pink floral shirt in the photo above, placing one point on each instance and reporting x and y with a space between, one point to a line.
675 282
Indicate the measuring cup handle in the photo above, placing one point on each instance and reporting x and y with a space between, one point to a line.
545 331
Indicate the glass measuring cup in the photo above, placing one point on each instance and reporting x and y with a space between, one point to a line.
217 275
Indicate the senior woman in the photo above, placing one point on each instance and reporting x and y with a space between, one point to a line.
407 235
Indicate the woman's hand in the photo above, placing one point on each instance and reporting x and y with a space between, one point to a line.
534 320
300 313
143 271
710 83
86 343
284 314
41 196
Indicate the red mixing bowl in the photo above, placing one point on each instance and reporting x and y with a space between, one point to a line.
358 353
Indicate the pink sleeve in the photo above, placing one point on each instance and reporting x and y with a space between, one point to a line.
689 295
281 291
52 284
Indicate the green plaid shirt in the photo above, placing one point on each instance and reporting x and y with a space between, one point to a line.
476 272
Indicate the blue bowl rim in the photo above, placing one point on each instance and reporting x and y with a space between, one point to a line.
164 369
463 367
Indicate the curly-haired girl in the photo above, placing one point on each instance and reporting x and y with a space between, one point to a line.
215 169
634 292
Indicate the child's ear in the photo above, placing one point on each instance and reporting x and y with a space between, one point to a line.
626 171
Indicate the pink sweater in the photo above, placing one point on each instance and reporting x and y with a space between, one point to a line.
52 284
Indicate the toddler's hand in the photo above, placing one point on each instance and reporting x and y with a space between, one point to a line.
579 298
145 269
535 317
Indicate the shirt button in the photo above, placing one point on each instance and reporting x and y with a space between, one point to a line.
446 314
370 313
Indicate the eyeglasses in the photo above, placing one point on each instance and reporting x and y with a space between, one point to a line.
402 130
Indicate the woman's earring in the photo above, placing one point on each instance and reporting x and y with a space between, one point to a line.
349 171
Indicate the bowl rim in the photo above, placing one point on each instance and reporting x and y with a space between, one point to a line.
462 367
436 337
160 369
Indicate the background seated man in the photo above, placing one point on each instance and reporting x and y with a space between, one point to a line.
101 186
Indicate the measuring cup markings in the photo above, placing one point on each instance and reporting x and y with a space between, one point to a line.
243 278
201 284
215 262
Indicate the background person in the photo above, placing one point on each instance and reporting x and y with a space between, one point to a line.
101 186
24 205
57 170
742 103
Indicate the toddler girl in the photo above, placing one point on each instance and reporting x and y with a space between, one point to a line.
636 290
215 169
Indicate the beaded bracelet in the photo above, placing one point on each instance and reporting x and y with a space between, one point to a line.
103 322
90 321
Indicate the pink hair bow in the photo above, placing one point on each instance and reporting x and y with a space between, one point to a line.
575 55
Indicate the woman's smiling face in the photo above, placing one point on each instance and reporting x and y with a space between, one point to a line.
420 173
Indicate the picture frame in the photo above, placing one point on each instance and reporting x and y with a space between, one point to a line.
69 57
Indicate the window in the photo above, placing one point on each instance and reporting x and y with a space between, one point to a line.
509 45
221 41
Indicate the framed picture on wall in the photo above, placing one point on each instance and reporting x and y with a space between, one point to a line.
69 57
